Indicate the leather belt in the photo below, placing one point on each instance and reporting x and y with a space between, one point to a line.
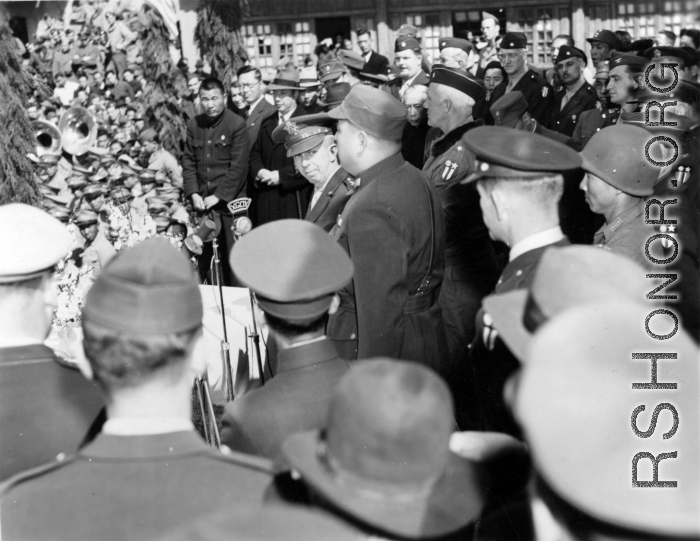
418 302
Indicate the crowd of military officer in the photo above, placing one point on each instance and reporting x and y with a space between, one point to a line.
450 365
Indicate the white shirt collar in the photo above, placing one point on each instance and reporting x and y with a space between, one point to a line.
307 342
140 426
367 55
286 116
543 238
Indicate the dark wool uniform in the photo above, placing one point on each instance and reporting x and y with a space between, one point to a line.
288 199
395 241
295 400
215 162
565 120
536 90
46 408
591 122
332 201
471 268
130 488
413 142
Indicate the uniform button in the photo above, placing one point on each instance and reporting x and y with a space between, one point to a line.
209 142
207 169
208 155
519 273
352 336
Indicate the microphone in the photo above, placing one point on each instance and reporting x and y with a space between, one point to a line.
241 226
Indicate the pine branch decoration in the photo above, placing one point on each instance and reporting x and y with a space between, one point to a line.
17 176
218 36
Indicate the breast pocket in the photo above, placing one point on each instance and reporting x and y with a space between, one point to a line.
222 150
198 150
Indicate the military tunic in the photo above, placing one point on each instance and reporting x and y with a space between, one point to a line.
591 122
564 120
394 242
332 201
471 268
536 90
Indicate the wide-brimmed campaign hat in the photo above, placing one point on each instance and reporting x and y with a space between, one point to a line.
565 277
286 79
383 456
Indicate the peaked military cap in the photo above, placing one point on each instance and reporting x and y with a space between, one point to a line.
616 155
147 289
121 195
675 52
351 59
406 30
577 393
606 36
406 43
456 43
566 52
85 217
303 133
507 109
374 111
32 242
293 267
460 80
564 278
508 153
331 70
93 191
336 93
514 40
60 213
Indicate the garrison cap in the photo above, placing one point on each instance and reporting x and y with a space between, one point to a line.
374 111
575 397
616 155
456 43
602 69
507 109
617 59
654 53
508 153
514 40
351 59
606 36
566 52
331 70
336 93
486 15
564 278
93 191
460 80
147 289
406 43
293 267
308 78
303 133
406 30
85 217
32 242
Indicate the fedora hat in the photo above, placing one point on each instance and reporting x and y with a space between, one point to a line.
564 278
286 79
383 457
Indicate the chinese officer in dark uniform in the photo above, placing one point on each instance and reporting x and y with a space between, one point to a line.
393 229
537 91
215 161
310 142
46 405
577 95
294 268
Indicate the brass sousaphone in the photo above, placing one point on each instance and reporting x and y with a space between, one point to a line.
78 130
48 137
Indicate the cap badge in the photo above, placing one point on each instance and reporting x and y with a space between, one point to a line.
657 53
443 43
403 44
291 128
328 68
512 44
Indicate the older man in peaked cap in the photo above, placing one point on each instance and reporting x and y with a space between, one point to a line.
294 269
46 406
310 141
390 308
148 470
471 268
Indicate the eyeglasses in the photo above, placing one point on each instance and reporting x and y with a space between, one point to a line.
248 85
509 56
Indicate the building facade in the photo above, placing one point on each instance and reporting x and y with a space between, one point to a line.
293 28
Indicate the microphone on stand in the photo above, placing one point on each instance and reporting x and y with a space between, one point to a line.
241 226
